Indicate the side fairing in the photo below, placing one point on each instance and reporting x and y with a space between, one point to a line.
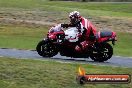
72 34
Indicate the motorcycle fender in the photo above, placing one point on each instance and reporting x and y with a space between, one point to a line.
46 39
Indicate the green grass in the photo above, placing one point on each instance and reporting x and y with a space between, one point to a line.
18 73
124 44
21 37
93 9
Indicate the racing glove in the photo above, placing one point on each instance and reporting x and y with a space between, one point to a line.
65 25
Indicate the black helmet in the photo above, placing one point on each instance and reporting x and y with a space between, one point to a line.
74 17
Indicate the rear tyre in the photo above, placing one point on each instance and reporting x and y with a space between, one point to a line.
103 52
46 49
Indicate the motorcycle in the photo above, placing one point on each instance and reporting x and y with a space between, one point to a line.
64 42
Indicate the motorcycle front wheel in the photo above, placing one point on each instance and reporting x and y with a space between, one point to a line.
46 49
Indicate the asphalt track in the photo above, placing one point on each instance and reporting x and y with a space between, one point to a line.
28 54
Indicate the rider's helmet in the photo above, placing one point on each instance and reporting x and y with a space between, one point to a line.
74 17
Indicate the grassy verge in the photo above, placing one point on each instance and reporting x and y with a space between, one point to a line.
96 9
124 44
21 37
18 73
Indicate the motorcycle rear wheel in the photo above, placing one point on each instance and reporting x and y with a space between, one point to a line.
46 49
104 52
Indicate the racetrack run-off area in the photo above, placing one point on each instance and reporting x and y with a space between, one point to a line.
28 54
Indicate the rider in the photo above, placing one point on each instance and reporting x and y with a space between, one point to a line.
85 28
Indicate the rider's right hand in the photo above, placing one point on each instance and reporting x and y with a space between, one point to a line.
65 25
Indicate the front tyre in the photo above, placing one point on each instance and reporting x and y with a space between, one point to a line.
103 52
46 49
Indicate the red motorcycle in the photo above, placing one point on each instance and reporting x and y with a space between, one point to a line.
64 42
